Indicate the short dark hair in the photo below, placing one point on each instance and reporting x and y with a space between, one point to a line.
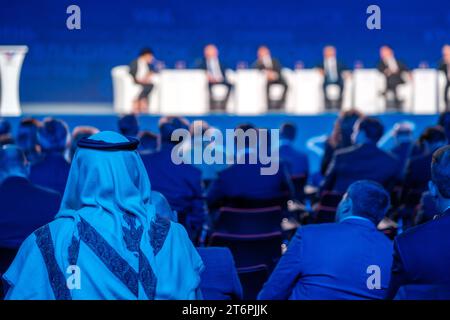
128 125
440 170
149 141
369 200
145 51
372 127
288 131
53 134
12 157
433 134
167 125
5 126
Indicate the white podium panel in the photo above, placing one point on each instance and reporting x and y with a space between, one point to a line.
368 85
11 59
126 91
307 92
250 92
442 81
425 88
183 92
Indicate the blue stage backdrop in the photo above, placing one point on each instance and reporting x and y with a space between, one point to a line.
74 66
312 130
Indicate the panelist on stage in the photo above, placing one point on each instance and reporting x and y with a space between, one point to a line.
142 71
332 70
393 70
215 72
272 70
444 66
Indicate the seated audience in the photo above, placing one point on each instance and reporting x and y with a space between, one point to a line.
24 206
362 161
78 133
111 239
444 122
180 184
421 255
220 280
52 169
243 182
340 137
148 142
5 133
129 125
418 169
334 260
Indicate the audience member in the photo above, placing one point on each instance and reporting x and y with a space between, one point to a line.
335 260
79 133
27 139
363 161
129 125
111 239
52 169
148 142
5 133
421 255
403 143
179 183
340 137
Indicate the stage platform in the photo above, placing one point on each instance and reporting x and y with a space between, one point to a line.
312 129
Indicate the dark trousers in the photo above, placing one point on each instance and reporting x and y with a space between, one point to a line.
446 99
276 105
392 83
219 105
333 104
146 89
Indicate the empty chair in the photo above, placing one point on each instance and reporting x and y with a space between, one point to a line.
325 211
252 280
248 221
250 250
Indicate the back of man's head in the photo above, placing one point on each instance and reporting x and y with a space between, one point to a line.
5 127
128 125
12 162
167 125
371 127
440 173
53 135
148 142
288 131
367 199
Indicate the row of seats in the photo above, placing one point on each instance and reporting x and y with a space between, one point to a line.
305 95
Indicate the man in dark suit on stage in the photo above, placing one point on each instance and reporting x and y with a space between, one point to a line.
394 71
332 70
444 66
421 261
142 71
216 74
272 69
345 260
363 160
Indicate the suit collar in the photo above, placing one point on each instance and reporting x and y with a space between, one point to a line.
357 220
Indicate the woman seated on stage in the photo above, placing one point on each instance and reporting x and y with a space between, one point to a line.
142 72
107 241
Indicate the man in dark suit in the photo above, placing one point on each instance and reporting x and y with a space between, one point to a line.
363 160
216 74
394 71
332 70
142 71
219 280
24 207
179 183
444 66
5 133
421 257
345 260
272 70
403 143
52 169
242 183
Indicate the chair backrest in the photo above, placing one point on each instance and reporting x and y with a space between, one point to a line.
252 280
325 211
248 221
250 250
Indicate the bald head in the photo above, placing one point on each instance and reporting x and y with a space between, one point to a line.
329 52
211 51
263 52
13 162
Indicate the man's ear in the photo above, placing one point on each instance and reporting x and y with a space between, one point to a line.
433 189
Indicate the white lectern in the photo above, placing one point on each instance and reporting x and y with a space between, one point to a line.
11 58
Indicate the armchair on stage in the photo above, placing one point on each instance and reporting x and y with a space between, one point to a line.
186 92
